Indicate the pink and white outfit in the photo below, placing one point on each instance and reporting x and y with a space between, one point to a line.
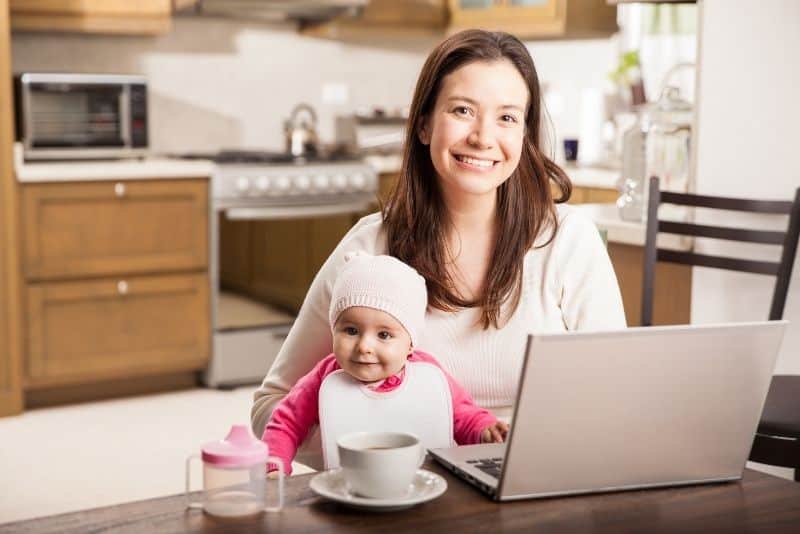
299 411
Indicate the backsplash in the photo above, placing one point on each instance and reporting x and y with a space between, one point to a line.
223 83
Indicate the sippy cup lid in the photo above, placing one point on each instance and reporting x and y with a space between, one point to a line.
240 448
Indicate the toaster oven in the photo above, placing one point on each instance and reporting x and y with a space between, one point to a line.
81 116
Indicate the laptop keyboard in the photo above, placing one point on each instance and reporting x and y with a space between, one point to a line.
490 466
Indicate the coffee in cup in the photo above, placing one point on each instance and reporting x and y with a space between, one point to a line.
380 465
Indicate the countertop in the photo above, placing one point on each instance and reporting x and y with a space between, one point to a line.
606 217
599 177
98 170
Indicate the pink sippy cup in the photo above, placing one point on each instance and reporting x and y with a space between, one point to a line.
234 475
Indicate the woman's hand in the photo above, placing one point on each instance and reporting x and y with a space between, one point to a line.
495 434
272 475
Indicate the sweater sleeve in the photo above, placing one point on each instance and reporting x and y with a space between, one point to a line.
590 296
296 413
310 337
469 420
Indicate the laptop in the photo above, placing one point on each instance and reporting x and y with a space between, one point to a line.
629 409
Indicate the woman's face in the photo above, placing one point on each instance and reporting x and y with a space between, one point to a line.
476 128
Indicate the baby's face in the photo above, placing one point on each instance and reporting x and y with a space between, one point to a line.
369 344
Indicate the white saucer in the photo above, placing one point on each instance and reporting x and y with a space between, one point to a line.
426 486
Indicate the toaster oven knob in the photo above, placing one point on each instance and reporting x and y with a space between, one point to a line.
339 182
302 183
358 181
322 182
282 184
242 184
262 184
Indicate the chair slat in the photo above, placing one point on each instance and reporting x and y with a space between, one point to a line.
720 232
718 262
726 203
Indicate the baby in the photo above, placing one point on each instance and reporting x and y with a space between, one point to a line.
376 379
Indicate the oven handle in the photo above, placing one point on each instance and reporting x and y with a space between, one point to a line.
295 212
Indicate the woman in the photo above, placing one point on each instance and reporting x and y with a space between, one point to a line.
474 214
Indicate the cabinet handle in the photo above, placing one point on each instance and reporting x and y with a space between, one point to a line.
119 189
122 287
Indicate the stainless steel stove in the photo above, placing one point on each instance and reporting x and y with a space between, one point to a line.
252 186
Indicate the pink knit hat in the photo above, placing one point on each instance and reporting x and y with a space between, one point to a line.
383 283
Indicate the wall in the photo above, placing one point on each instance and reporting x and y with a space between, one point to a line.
220 83
746 145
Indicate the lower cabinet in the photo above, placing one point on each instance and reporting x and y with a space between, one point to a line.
115 287
116 327
672 292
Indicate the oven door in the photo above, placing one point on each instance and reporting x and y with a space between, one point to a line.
265 257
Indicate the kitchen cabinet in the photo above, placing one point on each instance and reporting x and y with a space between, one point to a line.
109 228
527 19
115 281
592 195
95 16
11 396
672 293
536 19
116 327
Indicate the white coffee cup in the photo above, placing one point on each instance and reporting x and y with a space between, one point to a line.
380 465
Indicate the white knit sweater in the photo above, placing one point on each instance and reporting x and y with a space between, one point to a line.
568 284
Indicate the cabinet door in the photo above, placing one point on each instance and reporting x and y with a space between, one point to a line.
95 16
105 228
110 328
504 14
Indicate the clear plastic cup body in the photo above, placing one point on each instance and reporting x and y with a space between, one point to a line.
234 491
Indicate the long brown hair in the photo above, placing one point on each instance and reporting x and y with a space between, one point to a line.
415 216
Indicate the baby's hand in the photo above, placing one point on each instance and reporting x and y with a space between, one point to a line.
273 474
495 434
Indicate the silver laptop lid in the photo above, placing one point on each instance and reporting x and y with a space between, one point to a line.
642 407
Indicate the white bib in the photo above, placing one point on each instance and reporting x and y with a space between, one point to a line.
420 405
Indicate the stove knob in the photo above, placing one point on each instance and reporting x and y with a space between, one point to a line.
358 181
302 183
322 182
339 182
262 184
242 184
282 184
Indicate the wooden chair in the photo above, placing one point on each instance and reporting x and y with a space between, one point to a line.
777 440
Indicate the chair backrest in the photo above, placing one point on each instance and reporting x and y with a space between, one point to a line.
787 239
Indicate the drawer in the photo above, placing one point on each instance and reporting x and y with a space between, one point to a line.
111 328
105 228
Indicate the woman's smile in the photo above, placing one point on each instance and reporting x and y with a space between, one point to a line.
474 163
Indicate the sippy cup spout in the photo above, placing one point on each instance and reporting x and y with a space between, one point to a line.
240 435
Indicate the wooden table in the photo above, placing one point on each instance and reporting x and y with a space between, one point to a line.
759 503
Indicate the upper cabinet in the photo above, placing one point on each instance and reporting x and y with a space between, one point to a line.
527 19
533 19
130 17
